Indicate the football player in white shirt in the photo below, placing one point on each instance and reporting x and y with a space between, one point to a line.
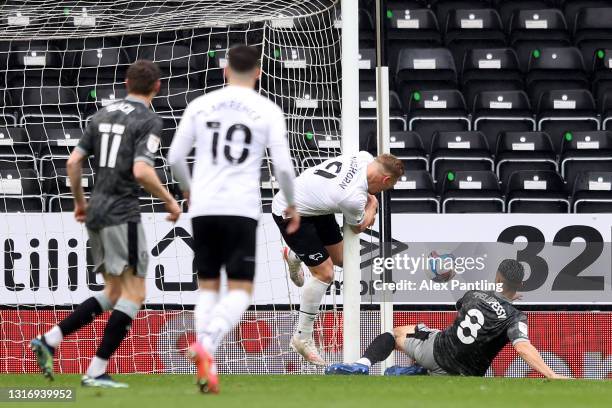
344 184
231 129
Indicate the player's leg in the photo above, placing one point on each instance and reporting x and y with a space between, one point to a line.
417 342
125 257
44 345
207 258
336 253
306 246
379 350
237 236
320 262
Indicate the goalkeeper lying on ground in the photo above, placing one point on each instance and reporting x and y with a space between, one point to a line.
485 322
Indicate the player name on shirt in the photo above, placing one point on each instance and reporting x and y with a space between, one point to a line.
350 174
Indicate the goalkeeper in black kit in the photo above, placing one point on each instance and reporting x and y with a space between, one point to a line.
485 323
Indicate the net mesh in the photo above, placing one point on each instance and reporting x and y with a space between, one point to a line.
60 62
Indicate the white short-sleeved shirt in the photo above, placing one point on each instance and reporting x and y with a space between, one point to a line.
338 185
231 129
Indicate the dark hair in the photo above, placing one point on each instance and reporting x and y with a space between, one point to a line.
142 76
513 273
243 58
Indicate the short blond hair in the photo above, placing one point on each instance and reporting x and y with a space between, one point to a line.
391 165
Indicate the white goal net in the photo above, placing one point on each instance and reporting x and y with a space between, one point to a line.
60 62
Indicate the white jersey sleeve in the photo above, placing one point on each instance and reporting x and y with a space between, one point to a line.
353 208
182 144
279 150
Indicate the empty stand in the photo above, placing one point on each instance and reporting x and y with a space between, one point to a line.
535 191
471 191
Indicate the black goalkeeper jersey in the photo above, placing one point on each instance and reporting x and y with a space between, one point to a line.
117 136
485 323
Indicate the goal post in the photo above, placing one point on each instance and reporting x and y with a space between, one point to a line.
60 62
350 144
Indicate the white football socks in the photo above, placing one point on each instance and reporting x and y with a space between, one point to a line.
97 367
312 294
364 361
207 299
54 336
224 317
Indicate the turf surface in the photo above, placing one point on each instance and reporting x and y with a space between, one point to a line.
178 391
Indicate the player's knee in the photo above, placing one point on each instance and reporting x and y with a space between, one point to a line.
113 294
324 272
134 289
400 333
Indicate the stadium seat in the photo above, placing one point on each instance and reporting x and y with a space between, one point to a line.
19 190
100 62
434 111
367 118
471 192
508 8
420 69
307 99
367 68
523 151
593 32
502 111
534 29
314 140
459 151
592 192
174 60
268 183
602 76
411 27
47 102
565 111
54 177
15 143
367 36
59 142
472 28
100 96
444 7
559 68
536 191
605 110
408 147
585 151
171 102
40 64
489 69
414 193
571 9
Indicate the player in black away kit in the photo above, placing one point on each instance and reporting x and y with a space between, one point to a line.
485 323
123 138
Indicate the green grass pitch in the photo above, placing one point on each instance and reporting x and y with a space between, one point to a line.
244 391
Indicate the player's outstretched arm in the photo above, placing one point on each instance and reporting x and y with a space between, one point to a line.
74 169
146 176
371 208
532 357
